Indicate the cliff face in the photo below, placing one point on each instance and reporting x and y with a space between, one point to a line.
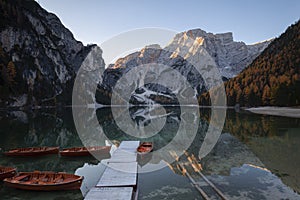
181 54
39 59
39 56
230 56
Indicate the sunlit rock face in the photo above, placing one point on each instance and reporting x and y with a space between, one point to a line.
230 56
186 53
45 54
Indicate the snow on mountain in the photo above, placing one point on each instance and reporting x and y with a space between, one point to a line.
184 49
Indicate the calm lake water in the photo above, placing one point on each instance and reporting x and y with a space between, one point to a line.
256 157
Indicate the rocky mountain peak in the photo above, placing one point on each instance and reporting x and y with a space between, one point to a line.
225 38
230 58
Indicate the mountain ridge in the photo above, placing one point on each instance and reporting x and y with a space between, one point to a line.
179 54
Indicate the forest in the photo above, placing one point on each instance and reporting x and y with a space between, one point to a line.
272 79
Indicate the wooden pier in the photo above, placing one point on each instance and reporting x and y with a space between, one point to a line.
119 179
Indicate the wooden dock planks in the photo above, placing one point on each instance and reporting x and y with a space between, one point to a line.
129 145
110 193
125 153
120 176
121 155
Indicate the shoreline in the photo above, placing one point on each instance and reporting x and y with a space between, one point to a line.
293 112
276 111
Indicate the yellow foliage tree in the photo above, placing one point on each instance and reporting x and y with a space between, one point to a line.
11 73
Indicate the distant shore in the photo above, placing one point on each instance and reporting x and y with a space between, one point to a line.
276 111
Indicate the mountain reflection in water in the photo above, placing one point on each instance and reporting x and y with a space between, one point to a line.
249 144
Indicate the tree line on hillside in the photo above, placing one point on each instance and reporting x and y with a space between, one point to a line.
273 78
7 73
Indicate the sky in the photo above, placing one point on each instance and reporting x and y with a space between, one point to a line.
251 21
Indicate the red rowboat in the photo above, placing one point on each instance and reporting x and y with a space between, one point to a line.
32 151
85 151
44 181
145 147
7 172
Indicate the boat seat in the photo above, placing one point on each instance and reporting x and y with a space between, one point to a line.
35 177
56 179
68 179
42 183
30 182
21 177
43 177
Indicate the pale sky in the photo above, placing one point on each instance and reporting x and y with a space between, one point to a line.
94 21
97 21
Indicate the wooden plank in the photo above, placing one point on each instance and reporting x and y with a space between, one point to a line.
119 174
129 145
129 150
121 155
110 193
121 171
123 151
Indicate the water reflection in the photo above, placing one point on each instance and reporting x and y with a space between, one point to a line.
10 193
275 141
47 163
248 140
252 182
39 128
236 147
91 174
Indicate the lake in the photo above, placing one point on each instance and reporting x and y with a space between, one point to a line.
256 156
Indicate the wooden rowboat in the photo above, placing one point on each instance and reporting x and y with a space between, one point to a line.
32 151
44 181
7 172
145 147
85 151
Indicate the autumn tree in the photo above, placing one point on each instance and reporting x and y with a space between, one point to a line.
266 95
273 77
11 73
